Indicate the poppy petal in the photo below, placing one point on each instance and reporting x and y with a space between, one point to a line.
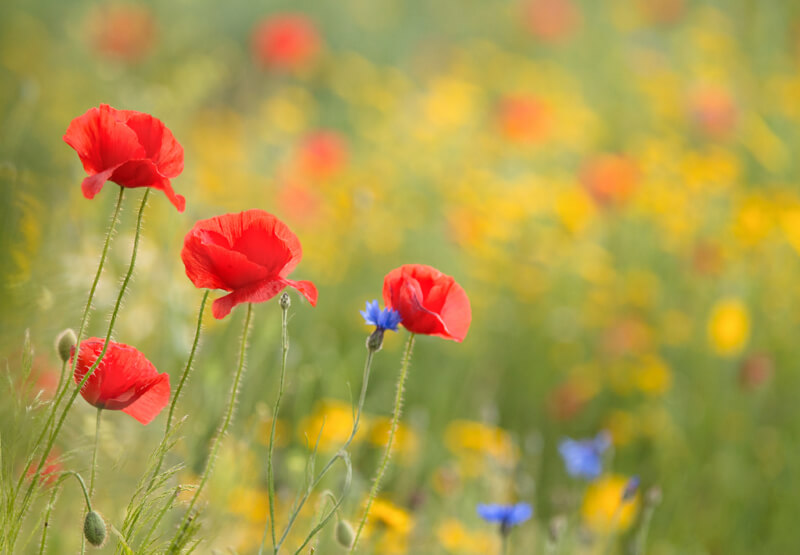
306 288
158 142
94 183
255 293
213 266
101 141
150 401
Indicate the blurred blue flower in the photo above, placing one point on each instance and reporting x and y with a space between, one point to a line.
583 458
631 488
386 319
506 515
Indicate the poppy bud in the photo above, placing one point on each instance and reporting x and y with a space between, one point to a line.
345 535
285 301
65 341
375 340
94 529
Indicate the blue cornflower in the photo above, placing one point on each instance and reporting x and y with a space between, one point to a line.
506 515
583 458
386 319
631 488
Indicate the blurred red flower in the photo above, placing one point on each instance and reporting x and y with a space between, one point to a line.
430 302
50 470
249 254
130 148
322 154
124 380
713 110
285 41
125 32
552 20
610 179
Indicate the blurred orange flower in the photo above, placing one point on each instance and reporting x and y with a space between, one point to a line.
610 179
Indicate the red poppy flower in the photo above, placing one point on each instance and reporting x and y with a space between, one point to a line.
249 254
124 380
287 41
429 302
130 148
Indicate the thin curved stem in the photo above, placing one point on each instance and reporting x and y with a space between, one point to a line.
332 461
218 439
181 383
94 452
398 404
275 409
114 314
188 367
59 392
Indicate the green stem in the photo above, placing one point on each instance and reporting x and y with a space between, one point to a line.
275 409
60 393
47 513
641 537
218 439
83 488
114 314
94 452
181 383
332 461
398 403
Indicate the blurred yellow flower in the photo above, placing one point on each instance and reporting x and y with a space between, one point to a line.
394 518
466 438
653 376
456 538
603 509
729 327
406 442
332 422
622 427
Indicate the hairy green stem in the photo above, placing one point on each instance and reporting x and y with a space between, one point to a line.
59 392
181 383
218 439
275 409
332 461
398 404
76 391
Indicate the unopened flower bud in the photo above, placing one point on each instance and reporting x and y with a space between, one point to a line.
285 301
65 341
375 340
345 535
94 529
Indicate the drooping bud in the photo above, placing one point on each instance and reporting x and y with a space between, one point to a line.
285 301
375 340
65 341
94 529
345 535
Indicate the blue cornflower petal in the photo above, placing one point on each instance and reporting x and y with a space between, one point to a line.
631 488
386 319
505 515
519 513
583 458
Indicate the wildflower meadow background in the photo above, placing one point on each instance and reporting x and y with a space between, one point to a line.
613 184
